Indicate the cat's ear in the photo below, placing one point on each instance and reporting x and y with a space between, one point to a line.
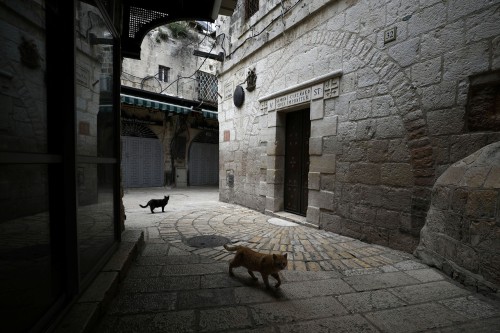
285 255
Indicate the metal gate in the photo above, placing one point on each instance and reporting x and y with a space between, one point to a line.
142 162
203 164
298 131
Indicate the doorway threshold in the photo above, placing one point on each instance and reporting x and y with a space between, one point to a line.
299 219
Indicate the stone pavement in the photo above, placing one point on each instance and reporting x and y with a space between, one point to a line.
333 283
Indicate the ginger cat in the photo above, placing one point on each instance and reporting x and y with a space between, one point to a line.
265 264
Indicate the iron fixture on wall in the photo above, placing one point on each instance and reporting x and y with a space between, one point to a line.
251 80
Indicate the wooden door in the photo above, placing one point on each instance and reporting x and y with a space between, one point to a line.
298 131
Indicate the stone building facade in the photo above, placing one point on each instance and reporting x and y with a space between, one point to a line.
392 89
170 74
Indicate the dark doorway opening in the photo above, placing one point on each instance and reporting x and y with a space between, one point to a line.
298 131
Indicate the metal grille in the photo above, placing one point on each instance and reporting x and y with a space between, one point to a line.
251 7
140 17
207 87
137 130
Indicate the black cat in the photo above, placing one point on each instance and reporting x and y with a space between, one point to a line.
155 203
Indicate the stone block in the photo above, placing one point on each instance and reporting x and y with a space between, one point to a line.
262 188
315 146
313 180
326 200
367 77
360 109
493 178
275 148
318 307
322 164
383 106
427 19
449 121
274 204
274 176
428 292
463 8
312 215
379 281
274 190
439 96
350 323
324 127
317 109
327 182
389 127
460 63
276 162
330 222
332 145
414 318
398 151
396 174
370 301
220 319
364 173
313 198
426 72
365 129
475 177
441 197
389 219
406 52
363 213
452 176
481 204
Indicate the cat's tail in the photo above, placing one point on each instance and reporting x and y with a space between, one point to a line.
144 206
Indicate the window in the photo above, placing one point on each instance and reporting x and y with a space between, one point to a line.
207 87
483 107
251 7
163 73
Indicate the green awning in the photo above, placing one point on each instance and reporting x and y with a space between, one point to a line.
162 106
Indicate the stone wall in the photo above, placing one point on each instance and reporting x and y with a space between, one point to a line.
161 47
462 232
398 122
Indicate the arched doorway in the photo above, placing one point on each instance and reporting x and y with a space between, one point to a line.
204 159
142 157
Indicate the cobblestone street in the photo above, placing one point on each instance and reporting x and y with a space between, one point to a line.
332 283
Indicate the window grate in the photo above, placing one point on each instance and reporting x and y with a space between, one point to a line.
140 17
207 87
251 7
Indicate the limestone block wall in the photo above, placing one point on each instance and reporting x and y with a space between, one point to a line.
399 120
462 231
161 47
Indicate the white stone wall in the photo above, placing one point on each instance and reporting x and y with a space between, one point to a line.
161 47
398 122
